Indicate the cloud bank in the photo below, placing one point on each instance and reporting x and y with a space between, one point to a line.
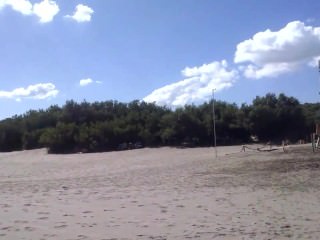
37 91
196 87
82 13
265 54
269 54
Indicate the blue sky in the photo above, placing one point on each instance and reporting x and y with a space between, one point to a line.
168 52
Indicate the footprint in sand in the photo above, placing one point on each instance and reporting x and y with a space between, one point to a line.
61 226
87 212
157 237
29 229
67 215
180 206
43 213
28 196
163 209
80 237
6 205
49 235
20 221
108 210
85 225
6 228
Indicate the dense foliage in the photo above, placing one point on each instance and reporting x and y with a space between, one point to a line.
103 126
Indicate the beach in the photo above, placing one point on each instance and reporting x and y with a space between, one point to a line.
161 193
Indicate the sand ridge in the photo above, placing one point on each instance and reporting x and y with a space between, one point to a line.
163 193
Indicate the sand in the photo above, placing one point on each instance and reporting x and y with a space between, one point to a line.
163 193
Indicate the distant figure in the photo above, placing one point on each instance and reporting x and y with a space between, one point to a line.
284 144
270 144
317 129
243 148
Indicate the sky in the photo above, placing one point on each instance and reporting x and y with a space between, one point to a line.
168 52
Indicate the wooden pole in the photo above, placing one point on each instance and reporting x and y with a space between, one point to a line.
214 125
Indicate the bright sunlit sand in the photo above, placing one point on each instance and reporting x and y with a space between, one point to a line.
163 193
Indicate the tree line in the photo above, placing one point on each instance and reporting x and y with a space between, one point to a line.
104 126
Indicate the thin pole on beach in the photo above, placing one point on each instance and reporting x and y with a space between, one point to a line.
214 124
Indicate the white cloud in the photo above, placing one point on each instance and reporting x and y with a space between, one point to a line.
22 6
46 10
196 87
266 54
310 20
315 62
85 82
82 13
269 54
37 91
268 70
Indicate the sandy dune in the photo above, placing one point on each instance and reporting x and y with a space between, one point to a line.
164 193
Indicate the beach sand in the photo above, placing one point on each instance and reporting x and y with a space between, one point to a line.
163 193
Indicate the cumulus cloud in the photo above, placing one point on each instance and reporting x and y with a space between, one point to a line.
45 10
196 87
37 91
85 82
269 54
82 13
268 70
22 6
266 54
315 62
